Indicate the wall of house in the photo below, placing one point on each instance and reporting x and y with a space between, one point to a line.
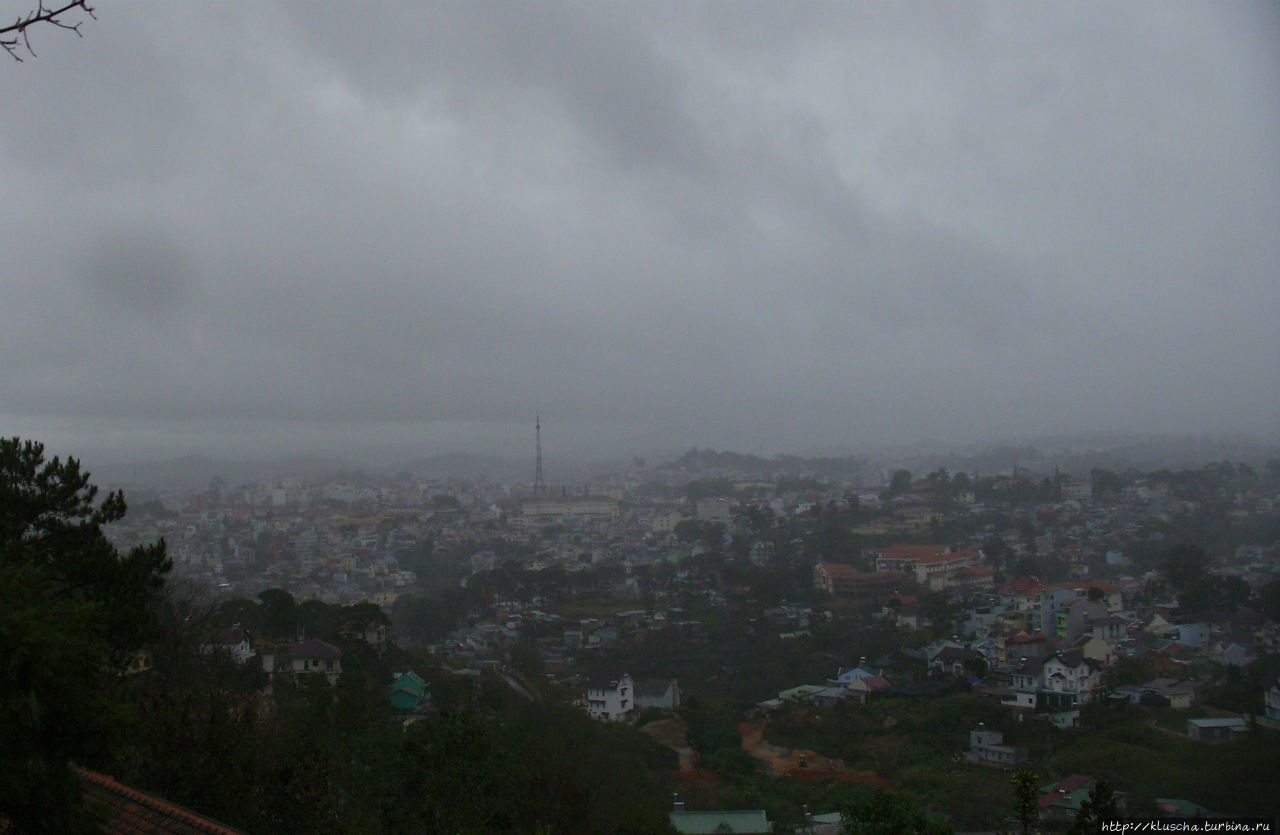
613 703
1273 703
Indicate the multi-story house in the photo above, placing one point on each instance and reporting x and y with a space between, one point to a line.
988 747
1069 680
1045 608
1076 617
610 697
1108 594
316 656
1026 680
1110 628
1062 681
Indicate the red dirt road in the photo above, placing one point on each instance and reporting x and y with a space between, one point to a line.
795 762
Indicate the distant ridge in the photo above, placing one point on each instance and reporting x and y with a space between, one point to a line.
1071 454
196 471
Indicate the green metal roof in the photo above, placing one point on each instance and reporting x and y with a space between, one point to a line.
410 682
710 823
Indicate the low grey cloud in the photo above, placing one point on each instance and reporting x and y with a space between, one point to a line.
766 226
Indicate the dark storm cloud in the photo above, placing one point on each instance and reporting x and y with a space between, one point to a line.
145 271
773 226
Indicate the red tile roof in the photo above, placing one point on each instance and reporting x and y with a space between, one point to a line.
1100 585
127 811
1067 785
913 552
315 648
1021 586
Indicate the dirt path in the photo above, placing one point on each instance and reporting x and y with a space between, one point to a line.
518 686
671 733
801 764
797 762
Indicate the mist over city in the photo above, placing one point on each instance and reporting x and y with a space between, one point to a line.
830 418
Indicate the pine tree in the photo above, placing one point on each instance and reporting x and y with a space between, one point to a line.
1101 805
72 610
1026 792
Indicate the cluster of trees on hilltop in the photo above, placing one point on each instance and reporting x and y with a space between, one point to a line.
709 460
1212 482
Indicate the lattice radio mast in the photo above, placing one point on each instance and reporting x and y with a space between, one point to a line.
539 486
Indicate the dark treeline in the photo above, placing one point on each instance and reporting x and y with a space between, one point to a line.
321 758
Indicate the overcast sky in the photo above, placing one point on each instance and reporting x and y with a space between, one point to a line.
771 227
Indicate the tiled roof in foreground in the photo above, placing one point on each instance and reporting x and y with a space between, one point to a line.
127 811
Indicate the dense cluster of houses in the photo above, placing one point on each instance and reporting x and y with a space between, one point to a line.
1034 647
1037 648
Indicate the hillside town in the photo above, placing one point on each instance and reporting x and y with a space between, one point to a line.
1042 597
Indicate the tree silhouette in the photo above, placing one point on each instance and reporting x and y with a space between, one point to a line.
1102 805
888 813
1185 565
73 609
15 37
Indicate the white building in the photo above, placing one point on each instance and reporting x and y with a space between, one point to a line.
611 698
1069 680
988 747
234 643
665 521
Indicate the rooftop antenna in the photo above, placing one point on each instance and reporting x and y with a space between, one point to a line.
539 486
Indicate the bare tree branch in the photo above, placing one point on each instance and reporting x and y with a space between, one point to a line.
16 36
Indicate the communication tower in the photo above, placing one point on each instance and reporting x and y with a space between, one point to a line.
539 486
